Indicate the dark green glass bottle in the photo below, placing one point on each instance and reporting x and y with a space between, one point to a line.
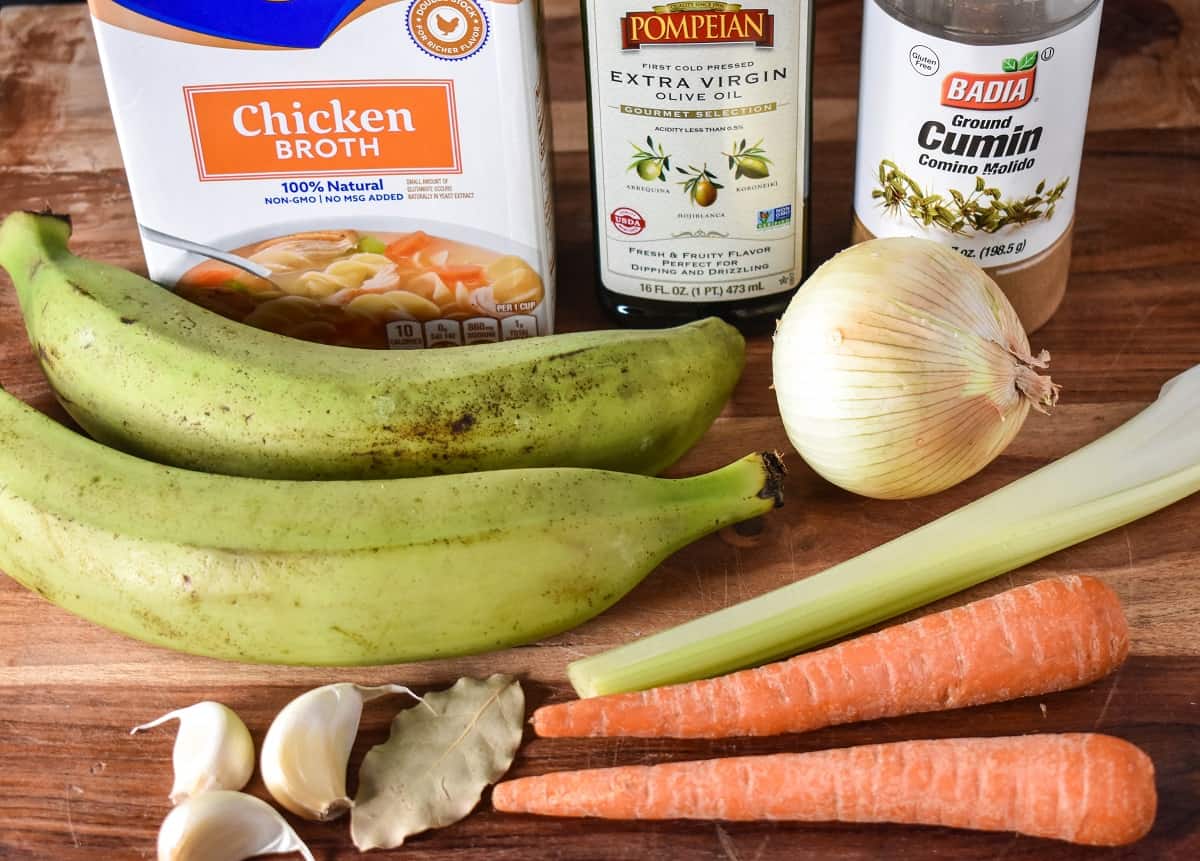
699 122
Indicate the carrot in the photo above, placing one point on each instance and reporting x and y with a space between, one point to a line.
408 245
213 275
1079 787
471 275
1047 636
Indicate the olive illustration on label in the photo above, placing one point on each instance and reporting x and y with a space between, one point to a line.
651 163
748 161
704 192
650 169
701 185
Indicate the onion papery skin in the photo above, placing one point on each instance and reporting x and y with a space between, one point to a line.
901 369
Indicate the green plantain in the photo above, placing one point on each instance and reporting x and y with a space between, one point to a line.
340 572
145 371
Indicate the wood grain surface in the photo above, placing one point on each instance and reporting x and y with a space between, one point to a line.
75 785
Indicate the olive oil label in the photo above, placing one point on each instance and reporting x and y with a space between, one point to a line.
365 173
975 146
699 133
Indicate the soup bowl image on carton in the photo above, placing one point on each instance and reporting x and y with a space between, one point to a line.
370 174
381 283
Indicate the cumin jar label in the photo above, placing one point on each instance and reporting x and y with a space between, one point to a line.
699 131
976 146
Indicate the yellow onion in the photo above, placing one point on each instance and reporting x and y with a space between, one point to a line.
901 369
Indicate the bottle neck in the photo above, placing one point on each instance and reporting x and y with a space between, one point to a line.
989 22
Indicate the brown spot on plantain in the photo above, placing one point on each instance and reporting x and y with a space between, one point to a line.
463 423
156 625
81 291
47 355
354 637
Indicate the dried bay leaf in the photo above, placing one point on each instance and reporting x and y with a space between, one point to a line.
437 761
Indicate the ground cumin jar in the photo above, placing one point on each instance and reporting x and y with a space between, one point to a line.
970 130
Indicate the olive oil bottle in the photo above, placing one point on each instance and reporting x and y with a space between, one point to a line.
698 114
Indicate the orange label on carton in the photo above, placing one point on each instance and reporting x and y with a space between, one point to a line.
323 128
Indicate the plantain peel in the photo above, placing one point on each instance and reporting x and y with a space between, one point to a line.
143 370
339 572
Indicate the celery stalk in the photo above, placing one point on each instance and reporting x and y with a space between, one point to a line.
1146 464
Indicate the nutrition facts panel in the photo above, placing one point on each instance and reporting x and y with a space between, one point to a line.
411 334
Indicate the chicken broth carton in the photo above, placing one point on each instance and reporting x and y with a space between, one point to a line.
368 173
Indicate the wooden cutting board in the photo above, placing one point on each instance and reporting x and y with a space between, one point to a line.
75 785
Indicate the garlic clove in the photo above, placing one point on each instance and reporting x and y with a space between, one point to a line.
225 826
213 749
307 747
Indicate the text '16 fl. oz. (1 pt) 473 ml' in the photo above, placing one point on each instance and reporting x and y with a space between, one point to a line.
699 120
